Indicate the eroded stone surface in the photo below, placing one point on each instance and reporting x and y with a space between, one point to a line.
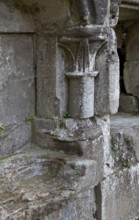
37 183
84 170
124 139
120 195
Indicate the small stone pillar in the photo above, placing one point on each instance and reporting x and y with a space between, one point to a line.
81 94
82 47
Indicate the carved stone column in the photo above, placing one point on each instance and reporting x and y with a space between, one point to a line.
82 77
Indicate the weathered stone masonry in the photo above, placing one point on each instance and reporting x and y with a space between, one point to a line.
64 154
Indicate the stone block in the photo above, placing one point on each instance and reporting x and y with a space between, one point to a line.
48 104
17 92
70 130
131 78
93 149
120 195
128 104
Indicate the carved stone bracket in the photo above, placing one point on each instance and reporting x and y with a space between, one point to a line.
83 50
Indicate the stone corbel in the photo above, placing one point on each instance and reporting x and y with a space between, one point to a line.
82 77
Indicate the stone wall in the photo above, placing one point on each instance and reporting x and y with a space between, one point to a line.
63 155
17 97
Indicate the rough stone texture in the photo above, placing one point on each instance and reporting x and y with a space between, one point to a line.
69 129
124 139
108 161
107 63
15 138
114 12
128 104
37 183
77 209
120 193
82 104
120 188
80 209
85 167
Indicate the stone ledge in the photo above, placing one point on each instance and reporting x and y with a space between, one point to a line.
40 181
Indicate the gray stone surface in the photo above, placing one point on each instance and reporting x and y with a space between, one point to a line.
80 209
69 129
114 12
120 195
17 92
81 94
93 149
17 95
84 169
128 104
119 190
107 63
124 139
48 105
77 209
51 15
15 138
85 14
13 20
36 183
